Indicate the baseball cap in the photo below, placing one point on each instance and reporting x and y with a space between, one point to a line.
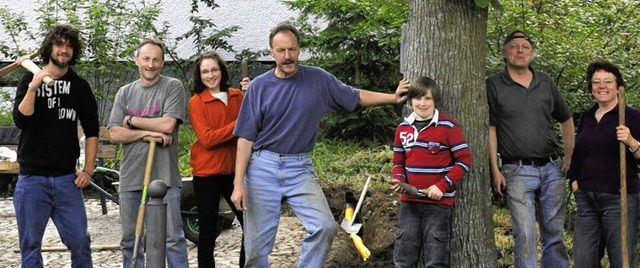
517 34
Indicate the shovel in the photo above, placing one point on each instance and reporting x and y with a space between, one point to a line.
347 224
410 189
353 228
145 183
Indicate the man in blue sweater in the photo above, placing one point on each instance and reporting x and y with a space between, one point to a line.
277 128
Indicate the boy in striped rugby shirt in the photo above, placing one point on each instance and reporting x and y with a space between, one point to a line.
430 155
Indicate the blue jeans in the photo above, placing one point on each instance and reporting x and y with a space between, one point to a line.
177 256
271 179
38 198
537 193
423 225
598 222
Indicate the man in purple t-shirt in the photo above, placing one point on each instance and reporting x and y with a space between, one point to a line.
277 128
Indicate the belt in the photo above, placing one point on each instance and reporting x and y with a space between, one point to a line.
530 161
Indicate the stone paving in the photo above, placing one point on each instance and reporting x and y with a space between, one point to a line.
105 230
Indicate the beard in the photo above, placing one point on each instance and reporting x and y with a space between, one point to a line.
60 65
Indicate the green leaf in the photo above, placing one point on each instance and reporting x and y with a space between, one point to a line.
482 3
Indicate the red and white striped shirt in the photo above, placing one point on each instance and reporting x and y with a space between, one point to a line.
436 154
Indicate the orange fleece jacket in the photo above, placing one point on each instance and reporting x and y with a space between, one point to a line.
214 151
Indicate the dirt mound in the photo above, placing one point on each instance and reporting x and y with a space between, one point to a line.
379 214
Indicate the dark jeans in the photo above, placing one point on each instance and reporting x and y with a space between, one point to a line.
208 191
423 225
598 222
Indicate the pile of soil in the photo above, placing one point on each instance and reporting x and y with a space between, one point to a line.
379 214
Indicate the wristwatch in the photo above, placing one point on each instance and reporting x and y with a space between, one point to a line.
129 125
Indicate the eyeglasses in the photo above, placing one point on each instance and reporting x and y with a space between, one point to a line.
213 70
608 82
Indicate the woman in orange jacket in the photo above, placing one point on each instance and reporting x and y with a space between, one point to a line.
213 111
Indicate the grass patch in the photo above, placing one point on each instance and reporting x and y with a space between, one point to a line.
344 163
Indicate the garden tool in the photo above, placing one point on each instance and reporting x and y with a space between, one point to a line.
357 240
347 224
353 228
360 247
145 183
7 69
623 181
350 202
245 68
411 190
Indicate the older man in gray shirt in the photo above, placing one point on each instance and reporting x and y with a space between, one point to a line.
522 104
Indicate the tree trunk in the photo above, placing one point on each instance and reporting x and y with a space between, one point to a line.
445 40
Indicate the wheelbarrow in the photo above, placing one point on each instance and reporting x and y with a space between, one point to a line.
188 207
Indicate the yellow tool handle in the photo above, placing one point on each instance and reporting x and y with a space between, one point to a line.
348 213
360 247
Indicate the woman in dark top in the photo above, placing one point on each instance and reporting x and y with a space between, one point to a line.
595 172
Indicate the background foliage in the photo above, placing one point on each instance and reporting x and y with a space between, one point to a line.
112 31
568 35
364 36
359 42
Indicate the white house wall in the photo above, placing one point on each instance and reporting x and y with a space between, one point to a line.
255 17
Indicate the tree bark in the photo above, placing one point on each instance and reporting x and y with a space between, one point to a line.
445 40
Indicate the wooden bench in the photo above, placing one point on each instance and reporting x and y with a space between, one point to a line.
105 150
9 136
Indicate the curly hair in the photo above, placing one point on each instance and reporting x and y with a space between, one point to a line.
56 34
198 85
604 66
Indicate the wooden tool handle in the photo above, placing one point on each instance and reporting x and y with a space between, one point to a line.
9 68
245 68
623 182
153 139
32 67
152 150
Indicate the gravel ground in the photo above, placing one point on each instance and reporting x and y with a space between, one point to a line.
105 231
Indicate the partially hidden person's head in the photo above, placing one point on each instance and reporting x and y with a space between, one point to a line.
517 50
149 58
210 72
424 96
62 46
604 78
284 41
